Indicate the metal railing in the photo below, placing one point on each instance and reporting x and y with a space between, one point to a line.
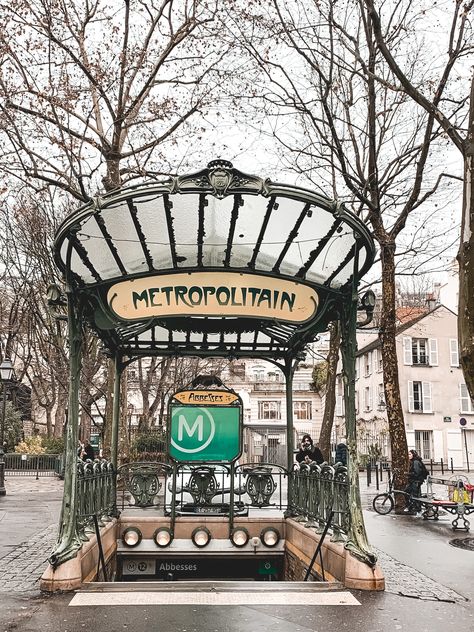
96 494
33 464
316 492
319 493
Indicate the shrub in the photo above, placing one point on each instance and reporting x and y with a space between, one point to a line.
53 445
31 445
148 447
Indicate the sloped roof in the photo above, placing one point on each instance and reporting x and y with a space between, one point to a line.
399 330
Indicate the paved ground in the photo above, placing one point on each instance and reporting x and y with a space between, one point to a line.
430 584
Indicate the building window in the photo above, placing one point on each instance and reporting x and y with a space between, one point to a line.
367 398
454 352
465 402
269 410
419 397
258 374
381 397
275 376
420 351
368 364
423 443
379 360
302 410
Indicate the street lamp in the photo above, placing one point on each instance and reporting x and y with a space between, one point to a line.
6 374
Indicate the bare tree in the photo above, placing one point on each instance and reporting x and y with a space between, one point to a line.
342 126
94 96
90 97
455 114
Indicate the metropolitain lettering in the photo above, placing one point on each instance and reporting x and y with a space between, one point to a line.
196 296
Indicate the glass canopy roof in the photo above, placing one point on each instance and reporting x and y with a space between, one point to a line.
218 219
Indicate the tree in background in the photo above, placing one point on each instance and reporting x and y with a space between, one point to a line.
342 127
443 95
93 95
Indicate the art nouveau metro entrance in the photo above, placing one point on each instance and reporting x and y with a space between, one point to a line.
214 264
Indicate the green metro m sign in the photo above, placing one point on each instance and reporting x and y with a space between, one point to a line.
205 433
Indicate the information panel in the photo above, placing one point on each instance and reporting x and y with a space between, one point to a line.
205 433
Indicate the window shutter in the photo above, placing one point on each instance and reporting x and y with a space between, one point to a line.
339 405
433 343
454 352
465 402
370 398
357 401
407 352
411 398
427 403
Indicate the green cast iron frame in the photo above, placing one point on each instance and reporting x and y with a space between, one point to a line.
282 343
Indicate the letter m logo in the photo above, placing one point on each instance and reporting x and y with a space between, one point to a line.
198 426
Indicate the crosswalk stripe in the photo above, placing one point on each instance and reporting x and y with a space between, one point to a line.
332 598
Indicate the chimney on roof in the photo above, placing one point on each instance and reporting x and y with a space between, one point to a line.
431 301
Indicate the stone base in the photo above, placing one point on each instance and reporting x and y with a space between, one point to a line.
83 568
339 564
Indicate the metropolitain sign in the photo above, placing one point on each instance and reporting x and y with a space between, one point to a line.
213 294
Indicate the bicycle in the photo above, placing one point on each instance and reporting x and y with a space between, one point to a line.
384 503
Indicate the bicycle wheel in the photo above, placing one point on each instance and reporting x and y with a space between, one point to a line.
383 504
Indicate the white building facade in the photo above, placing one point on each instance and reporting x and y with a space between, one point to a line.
438 412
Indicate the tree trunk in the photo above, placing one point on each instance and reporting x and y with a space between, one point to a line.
396 421
330 396
60 416
466 259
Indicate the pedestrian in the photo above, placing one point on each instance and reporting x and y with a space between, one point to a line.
308 452
416 476
341 452
88 451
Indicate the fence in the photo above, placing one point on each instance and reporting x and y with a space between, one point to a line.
33 464
96 495
319 491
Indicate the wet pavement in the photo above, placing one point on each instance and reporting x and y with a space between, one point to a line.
429 583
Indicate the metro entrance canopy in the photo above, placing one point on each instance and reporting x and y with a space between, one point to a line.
216 263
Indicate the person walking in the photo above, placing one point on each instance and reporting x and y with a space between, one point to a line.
308 452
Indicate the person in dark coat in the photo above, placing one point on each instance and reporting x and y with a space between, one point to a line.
87 451
341 452
416 476
309 452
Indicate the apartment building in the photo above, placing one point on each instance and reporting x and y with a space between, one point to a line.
438 412
261 386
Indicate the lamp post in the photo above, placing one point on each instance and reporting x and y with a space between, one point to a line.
6 374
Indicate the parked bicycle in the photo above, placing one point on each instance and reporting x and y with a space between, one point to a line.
384 503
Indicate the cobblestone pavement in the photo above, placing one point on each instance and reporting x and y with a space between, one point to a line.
406 581
21 569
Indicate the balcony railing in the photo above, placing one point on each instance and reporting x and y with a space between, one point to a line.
280 386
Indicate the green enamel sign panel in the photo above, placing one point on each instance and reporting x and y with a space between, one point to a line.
205 433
